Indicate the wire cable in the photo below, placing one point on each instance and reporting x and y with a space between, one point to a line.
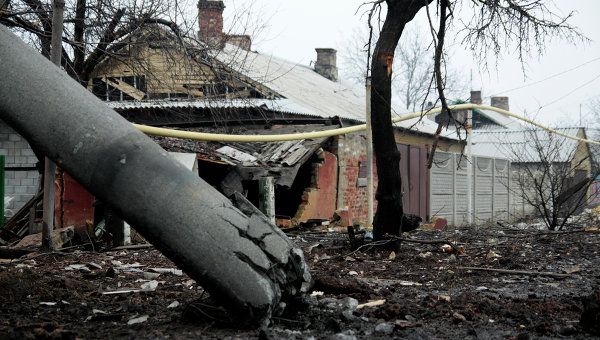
547 78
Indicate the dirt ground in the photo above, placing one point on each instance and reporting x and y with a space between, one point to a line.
419 291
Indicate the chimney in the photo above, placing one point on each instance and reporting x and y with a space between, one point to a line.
242 41
500 102
475 97
210 22
326 65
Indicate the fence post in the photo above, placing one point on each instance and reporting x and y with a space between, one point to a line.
493 165
2 190
453 167
473 188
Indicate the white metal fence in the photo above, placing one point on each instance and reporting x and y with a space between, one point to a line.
490 188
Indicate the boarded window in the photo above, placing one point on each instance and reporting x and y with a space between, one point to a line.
362 169
362 174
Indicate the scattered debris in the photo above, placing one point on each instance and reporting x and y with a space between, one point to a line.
149 286
78 267
385 328
140 319
94 265
150 276
133 246
459 317
371 304
440 224
173 271
316 245
492 255
572 270
416 292
60 238
517 272
408 283
121 291
441 297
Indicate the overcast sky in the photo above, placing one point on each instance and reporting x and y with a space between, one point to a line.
561 80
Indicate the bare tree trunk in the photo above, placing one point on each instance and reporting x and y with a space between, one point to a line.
388 218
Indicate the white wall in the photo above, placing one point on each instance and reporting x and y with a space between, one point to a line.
20 184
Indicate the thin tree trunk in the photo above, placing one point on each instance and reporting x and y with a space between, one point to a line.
389 213
78 37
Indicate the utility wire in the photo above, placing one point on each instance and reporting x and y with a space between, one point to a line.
549 77
568 94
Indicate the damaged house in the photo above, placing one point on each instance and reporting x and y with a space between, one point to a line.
161 79
234 90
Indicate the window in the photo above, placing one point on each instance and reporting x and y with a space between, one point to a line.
119 88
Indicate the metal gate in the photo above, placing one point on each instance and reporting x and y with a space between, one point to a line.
415 180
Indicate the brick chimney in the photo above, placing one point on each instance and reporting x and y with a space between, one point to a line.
475 97
240 40
326 63
210 22
500 102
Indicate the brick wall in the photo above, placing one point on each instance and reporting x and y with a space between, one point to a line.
351 154
21 179
318 201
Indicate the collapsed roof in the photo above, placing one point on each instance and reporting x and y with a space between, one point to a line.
253 160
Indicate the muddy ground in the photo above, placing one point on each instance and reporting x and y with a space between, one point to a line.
428 291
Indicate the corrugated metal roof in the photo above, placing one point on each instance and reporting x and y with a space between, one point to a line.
521 145
164 104
280 105
308 90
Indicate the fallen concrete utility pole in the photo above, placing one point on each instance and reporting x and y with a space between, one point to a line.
244 262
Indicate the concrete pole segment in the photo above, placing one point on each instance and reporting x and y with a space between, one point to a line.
243 261
49 166
266 194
